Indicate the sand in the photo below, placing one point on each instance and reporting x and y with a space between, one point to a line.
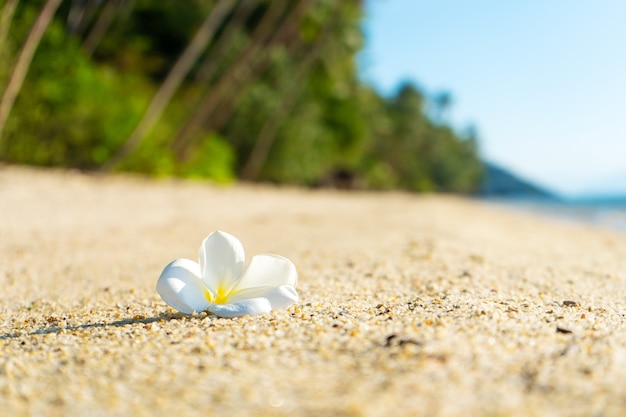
410 305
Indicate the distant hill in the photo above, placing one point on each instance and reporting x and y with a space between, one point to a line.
499 182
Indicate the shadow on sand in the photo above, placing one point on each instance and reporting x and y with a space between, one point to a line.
118 323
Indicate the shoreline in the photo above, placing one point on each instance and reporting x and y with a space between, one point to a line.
605 214
426 305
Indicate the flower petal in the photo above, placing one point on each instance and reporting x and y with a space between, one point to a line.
250 307
279 297
180 286
268 270
221 261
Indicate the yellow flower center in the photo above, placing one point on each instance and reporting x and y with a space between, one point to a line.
222 295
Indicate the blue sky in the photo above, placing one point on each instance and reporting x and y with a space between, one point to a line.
544 81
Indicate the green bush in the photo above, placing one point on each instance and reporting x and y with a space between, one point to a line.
70 112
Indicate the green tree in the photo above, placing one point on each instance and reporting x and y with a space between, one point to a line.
262 90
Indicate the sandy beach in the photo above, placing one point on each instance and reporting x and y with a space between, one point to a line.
410 305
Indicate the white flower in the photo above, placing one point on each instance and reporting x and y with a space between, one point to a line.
220 285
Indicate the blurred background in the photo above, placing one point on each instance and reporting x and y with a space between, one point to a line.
507 100
225 89
543 81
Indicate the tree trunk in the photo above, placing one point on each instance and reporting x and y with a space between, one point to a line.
207 68
101 26
23 62
287 35
269 130
252 72
5 19
186 134
87 16
175 77
237 76
255 70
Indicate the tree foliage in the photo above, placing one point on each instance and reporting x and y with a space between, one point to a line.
263 91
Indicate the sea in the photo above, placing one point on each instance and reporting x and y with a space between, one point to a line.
605 212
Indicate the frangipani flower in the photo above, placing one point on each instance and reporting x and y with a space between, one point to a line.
220 285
